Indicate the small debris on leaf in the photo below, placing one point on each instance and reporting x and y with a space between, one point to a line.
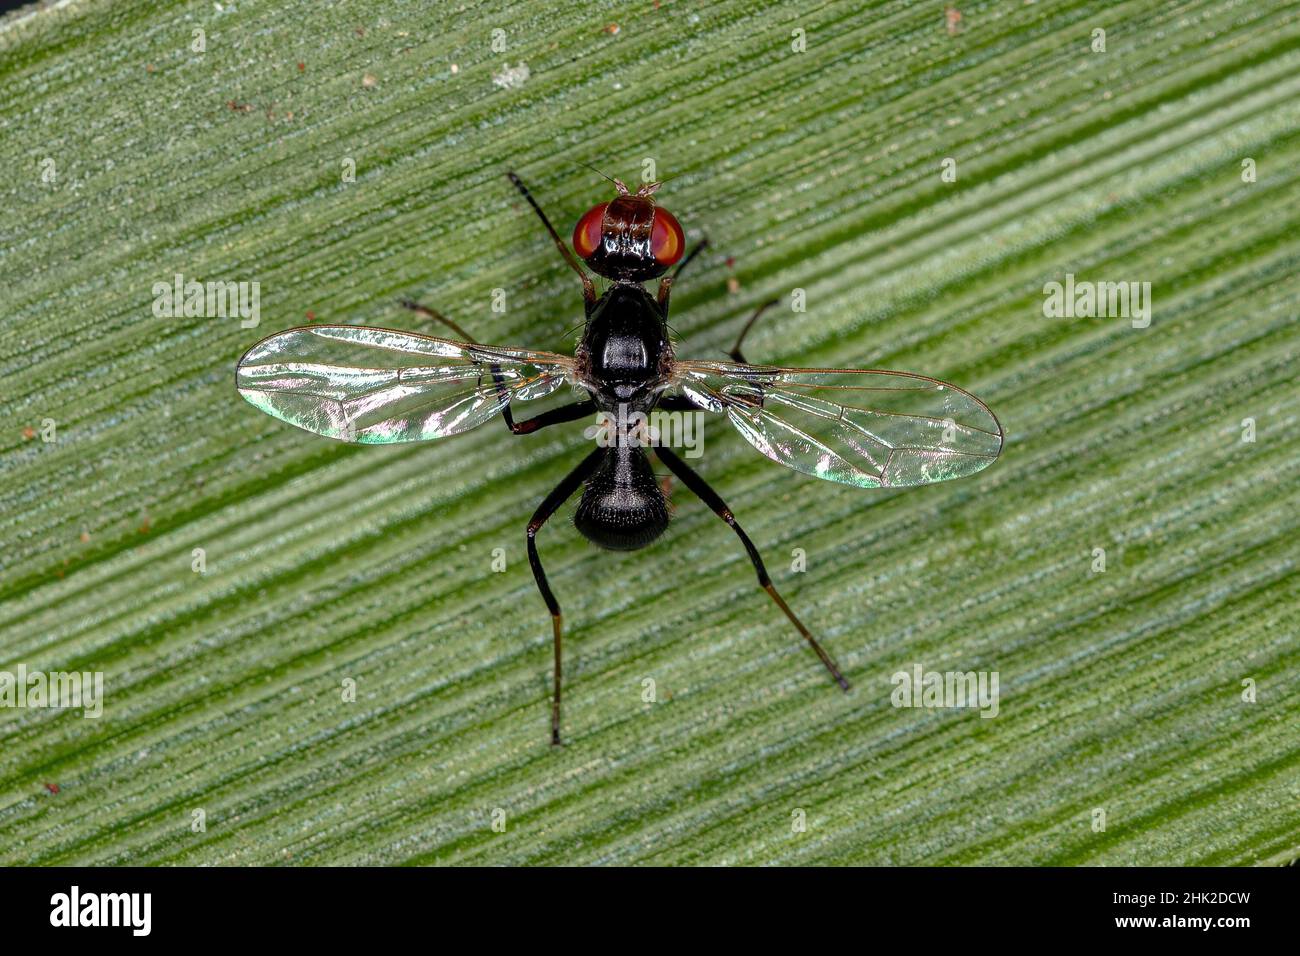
512 77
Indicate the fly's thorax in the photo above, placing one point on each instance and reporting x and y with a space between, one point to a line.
625 353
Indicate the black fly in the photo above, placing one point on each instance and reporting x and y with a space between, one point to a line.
873 429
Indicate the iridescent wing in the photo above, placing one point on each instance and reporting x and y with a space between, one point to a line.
379 386
873 429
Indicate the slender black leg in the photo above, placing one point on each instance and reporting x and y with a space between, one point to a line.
566 413
666 283
677 403
735 352
437 316
569 413
547 508
588 288
710 497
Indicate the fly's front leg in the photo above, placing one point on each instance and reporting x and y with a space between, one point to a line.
588 287
666 283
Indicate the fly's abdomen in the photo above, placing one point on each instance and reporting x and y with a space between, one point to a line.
622 507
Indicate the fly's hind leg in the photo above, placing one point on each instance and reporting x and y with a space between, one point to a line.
544 511
711 498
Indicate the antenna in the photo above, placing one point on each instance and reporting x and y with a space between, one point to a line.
617 185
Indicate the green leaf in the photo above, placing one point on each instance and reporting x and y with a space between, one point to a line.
131 158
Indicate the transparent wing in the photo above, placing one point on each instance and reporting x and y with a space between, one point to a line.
379 386
873 429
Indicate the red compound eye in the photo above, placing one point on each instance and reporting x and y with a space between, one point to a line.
666 239
586 234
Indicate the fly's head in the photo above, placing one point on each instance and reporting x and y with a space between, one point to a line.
630 238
